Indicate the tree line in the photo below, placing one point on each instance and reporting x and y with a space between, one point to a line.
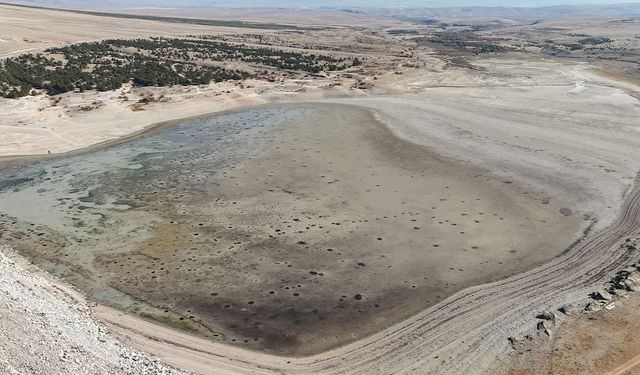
109 64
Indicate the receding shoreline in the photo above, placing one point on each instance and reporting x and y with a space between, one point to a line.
140 337
464 200
153 128
410 182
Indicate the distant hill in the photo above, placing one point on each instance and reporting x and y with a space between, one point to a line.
518 13
491 5
404 9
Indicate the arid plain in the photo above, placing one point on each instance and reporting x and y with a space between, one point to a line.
396 216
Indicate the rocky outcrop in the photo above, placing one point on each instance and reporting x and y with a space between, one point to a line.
624 281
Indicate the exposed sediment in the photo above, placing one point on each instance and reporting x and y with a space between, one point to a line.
464 334
288 229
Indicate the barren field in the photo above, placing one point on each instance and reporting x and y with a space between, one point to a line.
415 213
28 30
558 128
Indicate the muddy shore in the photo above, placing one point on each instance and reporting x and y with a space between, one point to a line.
290 229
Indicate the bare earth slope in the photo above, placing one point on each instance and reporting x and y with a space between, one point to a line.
69 341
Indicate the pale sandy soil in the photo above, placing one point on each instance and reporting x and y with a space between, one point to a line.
620 30
30 30
559 131
604 342
320 18
33 125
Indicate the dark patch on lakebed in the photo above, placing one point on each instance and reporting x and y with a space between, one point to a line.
191 272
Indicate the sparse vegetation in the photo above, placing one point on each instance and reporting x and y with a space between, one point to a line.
594 41
109 64
403 32
463 41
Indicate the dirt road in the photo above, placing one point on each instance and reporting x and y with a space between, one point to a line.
626 367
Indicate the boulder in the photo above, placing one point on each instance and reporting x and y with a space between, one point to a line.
547 315
632 283
593 306
610 306
544 327
601 295
564 310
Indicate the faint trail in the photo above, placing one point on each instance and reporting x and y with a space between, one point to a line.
627 366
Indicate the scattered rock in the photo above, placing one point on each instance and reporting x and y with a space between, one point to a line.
601 295
49 330
632 283
593 306
564 310
566 211
610 306
547 315
544 327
